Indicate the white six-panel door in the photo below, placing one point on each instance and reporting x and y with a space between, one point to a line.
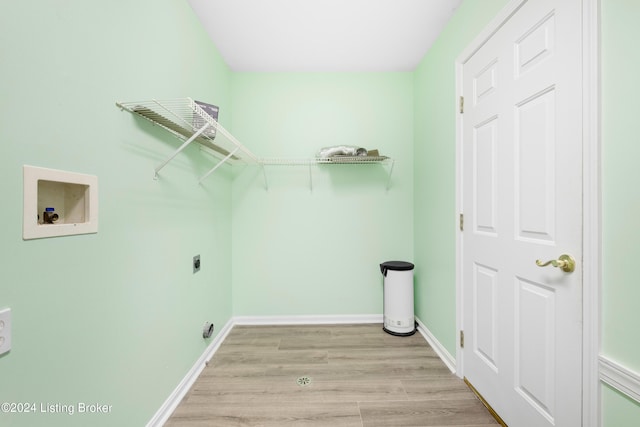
521 199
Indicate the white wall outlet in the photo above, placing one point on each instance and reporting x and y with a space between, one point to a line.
5 330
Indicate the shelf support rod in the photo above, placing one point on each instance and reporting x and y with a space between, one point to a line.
218 165
390 172
182 147
264 175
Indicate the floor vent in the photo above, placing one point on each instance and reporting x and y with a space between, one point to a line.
303 381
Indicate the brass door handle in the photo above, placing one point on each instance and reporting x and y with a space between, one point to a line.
565 262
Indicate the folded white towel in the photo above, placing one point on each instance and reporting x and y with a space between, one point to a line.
341 150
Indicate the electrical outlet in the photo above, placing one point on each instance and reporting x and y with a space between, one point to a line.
5 330
196 263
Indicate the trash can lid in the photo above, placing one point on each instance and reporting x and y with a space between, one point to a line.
396 266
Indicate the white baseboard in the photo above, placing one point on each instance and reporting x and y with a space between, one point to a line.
442 352
172 402
620 378
308 320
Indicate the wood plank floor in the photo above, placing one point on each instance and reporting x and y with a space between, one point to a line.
350 375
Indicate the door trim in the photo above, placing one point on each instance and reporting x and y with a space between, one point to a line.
592 205
592 214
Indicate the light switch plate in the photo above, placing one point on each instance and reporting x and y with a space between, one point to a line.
5 330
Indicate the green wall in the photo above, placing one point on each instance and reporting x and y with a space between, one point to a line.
303 251
620 199
114 317
618 410
434 169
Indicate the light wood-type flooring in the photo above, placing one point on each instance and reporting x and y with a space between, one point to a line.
328 376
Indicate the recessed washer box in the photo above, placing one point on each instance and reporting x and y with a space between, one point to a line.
58 203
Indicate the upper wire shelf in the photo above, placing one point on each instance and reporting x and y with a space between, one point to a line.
188 121
345 160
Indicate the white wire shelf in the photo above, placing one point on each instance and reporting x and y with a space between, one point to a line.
344 160
189 122
335 160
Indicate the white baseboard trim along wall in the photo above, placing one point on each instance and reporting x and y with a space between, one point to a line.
620 378
308 320
182 389
442 352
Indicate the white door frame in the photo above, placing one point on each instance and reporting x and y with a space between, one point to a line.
591 263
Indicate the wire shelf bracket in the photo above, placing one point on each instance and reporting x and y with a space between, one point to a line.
182 147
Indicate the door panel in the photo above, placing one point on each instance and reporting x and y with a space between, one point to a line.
535 167
535 345
485 299
485 82
536 45
486 177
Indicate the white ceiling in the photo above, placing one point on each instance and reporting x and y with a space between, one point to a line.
323 35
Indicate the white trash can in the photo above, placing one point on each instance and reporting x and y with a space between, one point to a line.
399 317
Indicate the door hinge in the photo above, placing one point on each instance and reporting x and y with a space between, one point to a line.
461 339
461 222
462 105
